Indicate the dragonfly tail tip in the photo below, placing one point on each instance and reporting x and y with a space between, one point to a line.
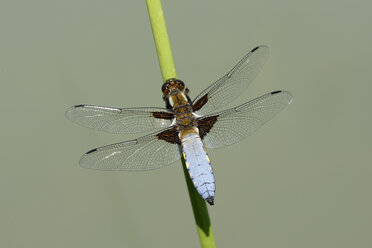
210 200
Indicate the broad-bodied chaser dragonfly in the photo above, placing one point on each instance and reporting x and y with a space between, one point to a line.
190 124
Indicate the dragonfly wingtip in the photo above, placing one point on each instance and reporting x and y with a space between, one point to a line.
254 49
93 150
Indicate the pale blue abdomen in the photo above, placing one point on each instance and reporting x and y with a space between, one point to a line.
198 166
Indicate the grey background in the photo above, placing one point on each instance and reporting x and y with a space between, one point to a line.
302 180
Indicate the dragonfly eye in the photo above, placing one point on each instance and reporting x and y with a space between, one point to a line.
181 85
164 88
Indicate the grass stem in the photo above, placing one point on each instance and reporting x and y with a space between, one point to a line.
168 71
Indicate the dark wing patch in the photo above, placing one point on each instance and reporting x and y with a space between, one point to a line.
163 115
200 103
205 124
170 136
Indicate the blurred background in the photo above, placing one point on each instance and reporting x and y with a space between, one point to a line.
302 180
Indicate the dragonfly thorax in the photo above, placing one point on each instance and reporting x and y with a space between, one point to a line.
184 116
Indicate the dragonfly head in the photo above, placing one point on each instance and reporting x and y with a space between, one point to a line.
172 87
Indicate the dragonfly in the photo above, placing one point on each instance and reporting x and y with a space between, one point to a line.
191 125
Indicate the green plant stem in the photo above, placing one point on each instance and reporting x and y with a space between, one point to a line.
168 71
160 33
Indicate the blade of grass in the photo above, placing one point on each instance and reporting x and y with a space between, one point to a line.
168 71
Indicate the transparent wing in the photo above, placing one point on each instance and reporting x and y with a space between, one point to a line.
145 153
233 84
233 125
119 120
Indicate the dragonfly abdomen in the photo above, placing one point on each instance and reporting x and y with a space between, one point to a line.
199 166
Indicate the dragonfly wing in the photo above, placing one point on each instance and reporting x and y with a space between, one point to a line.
232 125
120 120
233 84
145 153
